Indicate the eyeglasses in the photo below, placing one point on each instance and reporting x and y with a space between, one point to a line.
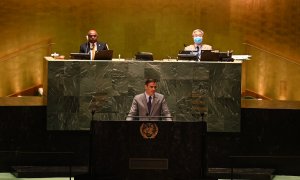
92 35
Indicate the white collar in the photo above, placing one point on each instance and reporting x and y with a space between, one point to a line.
147 97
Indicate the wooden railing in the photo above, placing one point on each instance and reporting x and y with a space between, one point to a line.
290 60
270 75
46 43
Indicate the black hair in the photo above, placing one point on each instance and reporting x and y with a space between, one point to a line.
149 81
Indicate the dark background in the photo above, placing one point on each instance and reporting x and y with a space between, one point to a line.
264 132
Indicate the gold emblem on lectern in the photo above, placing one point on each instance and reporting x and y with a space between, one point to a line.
148 130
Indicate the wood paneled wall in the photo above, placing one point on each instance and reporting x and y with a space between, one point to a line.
161 27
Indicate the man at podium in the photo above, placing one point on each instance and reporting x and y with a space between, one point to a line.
149 105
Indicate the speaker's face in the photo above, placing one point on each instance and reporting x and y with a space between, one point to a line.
92 36
150 88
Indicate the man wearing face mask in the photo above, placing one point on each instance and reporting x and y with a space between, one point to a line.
198 46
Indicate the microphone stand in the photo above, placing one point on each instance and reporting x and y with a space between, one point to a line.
93 113
91 53
198 58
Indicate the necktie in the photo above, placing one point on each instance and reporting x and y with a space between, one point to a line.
149 104
198 53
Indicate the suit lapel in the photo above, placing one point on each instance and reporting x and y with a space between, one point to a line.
154 102
88 48
99 47
144 100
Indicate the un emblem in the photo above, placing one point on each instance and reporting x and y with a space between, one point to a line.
148 130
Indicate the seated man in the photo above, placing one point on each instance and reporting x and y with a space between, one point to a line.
149 105
197 46
198 38
92 45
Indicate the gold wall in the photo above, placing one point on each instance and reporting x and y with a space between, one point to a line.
160 27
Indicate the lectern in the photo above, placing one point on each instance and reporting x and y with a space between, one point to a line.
137 150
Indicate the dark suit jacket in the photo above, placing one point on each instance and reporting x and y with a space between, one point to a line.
85 48
139 107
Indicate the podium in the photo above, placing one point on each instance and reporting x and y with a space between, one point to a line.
161 150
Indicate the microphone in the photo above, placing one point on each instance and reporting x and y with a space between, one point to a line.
198 53
148 116
87 43
93 112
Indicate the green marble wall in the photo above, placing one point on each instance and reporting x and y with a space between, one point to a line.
76 88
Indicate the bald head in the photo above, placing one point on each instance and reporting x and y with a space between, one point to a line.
92 36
